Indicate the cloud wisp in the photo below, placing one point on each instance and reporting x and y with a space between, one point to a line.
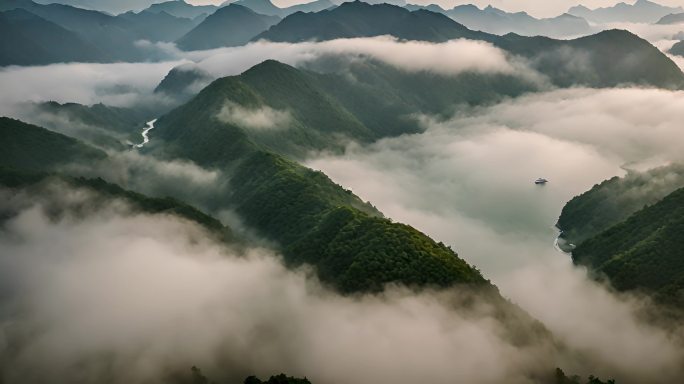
263 118
131 84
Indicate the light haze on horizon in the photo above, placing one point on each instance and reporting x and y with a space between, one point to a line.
538 8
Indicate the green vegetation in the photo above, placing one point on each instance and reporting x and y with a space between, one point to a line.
29 147
178 83
324 110
643 252
614 200
630 231
313 219
15 179
100 125
359 252
119 120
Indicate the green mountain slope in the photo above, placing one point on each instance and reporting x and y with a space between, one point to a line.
183 82
338 100
26 39
614 200
295 206
300 114
644 252
229 26
98 125
28 147
606 59
23 180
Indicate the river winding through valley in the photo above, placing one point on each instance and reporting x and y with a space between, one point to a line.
148 127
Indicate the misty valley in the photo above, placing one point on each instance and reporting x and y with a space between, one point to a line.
329 192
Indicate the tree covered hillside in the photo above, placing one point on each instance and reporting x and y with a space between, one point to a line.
644 252
30 147
614 200
106 192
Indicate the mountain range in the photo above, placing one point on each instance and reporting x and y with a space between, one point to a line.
104 38
266 7
114 37
312 220
499 22
180 8
229 26
609 57
26 39
672 18
642 11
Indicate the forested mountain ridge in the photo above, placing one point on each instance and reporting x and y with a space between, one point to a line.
323 109
27 39
610 58
316 207
630 231
105 192
644 252
614 200
352 247
29 147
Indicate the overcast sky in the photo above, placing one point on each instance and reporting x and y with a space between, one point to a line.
540 8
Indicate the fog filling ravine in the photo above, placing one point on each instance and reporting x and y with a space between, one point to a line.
456 182
341 192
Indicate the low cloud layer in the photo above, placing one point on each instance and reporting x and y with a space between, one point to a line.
120 84
120 297
468 181
449 58
131 84
258 119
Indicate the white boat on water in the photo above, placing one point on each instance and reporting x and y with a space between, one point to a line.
541 181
